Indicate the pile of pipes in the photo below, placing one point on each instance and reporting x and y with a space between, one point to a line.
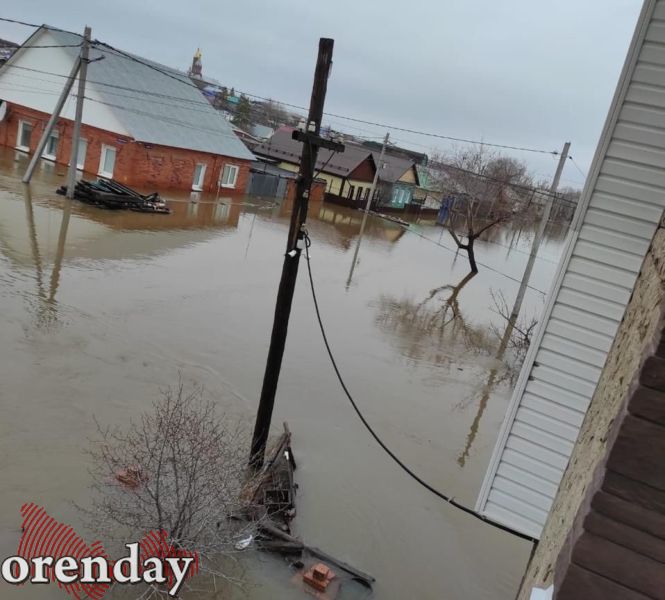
108 193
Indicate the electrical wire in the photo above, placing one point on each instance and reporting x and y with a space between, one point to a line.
578 167
182 79
449 499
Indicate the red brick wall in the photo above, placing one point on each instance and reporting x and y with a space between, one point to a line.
137 164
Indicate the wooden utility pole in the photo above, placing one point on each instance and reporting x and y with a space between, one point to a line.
541 231
312 141
379 166
76 133
52 121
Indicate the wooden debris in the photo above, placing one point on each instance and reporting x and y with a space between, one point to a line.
270 502
108 193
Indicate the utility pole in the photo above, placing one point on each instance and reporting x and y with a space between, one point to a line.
76 133
541 231
52 121
312 141
379 166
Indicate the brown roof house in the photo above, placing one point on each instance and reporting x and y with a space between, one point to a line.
348 174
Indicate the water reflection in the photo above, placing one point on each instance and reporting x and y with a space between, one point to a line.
46 306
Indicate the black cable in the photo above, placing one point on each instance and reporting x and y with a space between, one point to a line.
182 78
449 499
578 167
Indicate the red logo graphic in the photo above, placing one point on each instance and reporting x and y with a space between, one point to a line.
54 552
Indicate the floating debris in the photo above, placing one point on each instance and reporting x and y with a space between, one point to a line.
271 505
244 543
108 193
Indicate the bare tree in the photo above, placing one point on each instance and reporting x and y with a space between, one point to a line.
180 468
490 189
274 114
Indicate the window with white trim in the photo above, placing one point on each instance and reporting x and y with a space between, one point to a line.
107 161
229 176
199 175
51 148
23 136
80 157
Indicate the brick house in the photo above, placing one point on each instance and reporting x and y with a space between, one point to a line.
143 124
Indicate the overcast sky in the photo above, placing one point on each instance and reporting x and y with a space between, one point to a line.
520 72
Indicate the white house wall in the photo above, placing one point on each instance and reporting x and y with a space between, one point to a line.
621 206
39 90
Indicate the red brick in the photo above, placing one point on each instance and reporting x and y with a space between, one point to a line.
137 164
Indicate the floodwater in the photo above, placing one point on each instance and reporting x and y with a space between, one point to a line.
97 318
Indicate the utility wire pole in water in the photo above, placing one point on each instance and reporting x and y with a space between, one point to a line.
370 197
76 133
52 121
541 232
312 141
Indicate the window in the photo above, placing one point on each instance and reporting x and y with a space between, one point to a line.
366 195
350 196
24 135
51 148
222 211
199 175
229 176
107 161
359 194
80 158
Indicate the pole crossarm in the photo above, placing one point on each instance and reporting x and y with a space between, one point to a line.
317 140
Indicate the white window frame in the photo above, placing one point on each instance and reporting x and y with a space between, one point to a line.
102 156
197 184
45 154
19 135
80 166
235 169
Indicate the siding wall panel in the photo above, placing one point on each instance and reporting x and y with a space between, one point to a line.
620 209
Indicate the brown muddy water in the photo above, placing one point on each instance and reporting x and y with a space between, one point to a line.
94 323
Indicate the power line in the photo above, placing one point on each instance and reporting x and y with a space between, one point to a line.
182 79
578 167
334 115
204 103
446 498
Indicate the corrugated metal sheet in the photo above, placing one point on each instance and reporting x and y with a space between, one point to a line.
167 110
620 209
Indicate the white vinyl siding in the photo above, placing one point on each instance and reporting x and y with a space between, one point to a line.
107 161
199 176
620 209
23 136
229 176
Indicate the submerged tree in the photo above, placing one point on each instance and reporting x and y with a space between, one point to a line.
489 189
181 469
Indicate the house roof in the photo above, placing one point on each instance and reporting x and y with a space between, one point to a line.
394 167
282 146
162 108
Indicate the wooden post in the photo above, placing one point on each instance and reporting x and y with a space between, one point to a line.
310 149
